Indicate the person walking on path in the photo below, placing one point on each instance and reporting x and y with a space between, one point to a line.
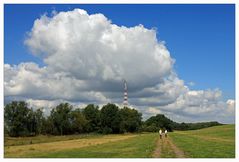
166 133
160 133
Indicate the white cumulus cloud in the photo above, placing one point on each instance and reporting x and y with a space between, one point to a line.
87 56
90 47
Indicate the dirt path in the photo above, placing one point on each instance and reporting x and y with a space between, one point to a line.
157 151
165 148
179 153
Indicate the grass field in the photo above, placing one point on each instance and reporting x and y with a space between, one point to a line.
11 141
139 146
128 145
216 141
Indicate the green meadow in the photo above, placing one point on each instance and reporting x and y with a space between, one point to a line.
213 142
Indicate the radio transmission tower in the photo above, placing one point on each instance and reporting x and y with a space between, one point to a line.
125 103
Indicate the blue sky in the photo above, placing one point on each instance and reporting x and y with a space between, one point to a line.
85 55
200 37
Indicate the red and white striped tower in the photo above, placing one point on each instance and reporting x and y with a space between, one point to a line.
125 103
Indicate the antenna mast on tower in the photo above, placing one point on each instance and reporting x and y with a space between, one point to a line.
125 103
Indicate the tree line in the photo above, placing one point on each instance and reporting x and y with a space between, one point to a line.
20 120
161 121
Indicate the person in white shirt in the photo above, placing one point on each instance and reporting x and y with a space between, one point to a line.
166 133
160 133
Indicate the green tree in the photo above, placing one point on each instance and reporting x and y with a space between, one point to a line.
130 120
48 126
92 114
60 116
31 123
78 122
39 118
16 117
110 119
159 121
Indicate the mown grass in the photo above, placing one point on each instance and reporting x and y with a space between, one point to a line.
16 141
39 148
214 142
137 145
140 146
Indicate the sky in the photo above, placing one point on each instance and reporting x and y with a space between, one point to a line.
178 60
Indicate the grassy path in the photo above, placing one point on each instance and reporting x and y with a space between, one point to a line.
165 148
157 151
179 153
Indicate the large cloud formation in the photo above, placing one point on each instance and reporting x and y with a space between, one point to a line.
87 56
